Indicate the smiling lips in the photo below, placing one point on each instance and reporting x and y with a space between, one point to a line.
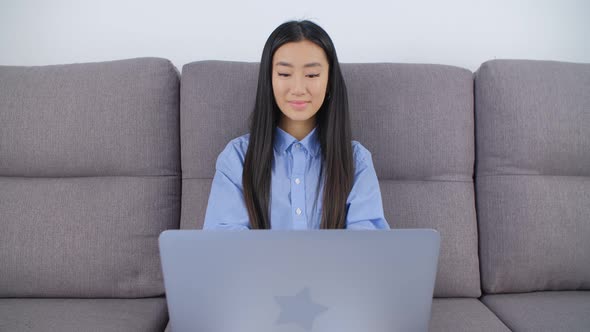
298 104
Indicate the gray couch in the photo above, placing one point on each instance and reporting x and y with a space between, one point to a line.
97 159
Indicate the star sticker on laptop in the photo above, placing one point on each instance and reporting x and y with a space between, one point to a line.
299 309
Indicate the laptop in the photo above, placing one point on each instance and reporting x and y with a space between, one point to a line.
299 281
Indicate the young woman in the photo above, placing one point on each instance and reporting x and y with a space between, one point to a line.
298 167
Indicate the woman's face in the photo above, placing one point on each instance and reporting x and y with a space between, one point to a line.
299 81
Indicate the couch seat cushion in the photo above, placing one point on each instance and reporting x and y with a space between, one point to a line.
463 314
35 314
542 311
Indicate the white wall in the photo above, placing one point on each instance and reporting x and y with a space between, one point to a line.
456 32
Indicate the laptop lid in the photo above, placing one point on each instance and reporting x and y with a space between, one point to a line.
299 281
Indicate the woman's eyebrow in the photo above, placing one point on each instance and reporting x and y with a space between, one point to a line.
313 64
307 65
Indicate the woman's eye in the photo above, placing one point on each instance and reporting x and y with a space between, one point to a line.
284 75
313 75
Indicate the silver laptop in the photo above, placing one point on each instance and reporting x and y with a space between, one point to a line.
299 281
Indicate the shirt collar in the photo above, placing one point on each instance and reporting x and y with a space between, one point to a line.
284 140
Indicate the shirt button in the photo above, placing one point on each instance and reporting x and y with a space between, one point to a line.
298 211
297 145
297 181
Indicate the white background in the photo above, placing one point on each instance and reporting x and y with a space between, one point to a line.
456 32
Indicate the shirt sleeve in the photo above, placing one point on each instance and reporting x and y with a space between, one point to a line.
365 208
226 208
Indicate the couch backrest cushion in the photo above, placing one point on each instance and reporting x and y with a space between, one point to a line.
533 175
89 177
417 120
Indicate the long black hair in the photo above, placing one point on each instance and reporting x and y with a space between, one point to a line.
333 126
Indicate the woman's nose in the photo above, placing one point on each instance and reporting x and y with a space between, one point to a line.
298 86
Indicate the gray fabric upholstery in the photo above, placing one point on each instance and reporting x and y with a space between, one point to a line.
74 315
417 120
463 315
195 194
457 315
217 98
533 175
89 177
542 311
84 237
94 119
404 203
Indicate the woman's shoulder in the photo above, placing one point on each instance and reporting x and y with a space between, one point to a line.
239 142
360 153
234 153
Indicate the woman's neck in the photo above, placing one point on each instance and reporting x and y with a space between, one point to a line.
297 129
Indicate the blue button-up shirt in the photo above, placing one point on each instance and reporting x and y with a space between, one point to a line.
296 202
